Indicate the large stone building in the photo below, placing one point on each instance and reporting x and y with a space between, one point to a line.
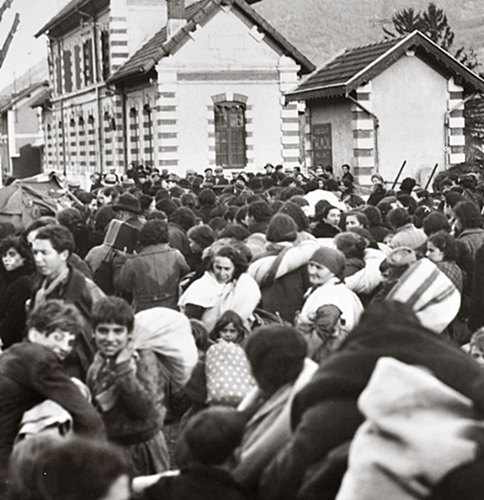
378 106
161 83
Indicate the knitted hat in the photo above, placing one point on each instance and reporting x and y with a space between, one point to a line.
281 228
402 256
276 355
328 257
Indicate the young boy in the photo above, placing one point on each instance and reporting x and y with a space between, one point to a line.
31 372
205 455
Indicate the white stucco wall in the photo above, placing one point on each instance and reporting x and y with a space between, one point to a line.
410 99
225 56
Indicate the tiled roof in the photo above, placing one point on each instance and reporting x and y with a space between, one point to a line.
153 50
67 10
352 67
146 58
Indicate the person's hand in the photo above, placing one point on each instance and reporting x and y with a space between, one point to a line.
125 354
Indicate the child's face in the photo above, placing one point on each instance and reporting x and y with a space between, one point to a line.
229 333
111 338
477 355
433 253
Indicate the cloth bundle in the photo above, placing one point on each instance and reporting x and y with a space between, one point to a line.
417 429
228 372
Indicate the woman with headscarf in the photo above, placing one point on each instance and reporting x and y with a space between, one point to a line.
325 270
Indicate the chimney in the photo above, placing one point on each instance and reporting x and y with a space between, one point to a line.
176 16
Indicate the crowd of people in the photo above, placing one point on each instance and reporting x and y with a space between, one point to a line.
310 341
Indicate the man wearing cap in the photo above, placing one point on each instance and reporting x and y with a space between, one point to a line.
219 179
269 169
325 271
128 210
209 178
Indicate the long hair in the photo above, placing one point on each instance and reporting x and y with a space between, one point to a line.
225 320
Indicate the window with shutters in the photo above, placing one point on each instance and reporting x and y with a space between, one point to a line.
77 66
230 137
67 60
105 54
88 62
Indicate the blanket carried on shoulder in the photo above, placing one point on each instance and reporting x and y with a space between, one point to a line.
417 429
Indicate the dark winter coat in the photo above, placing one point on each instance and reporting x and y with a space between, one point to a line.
15 291
325 413
29 375
153 276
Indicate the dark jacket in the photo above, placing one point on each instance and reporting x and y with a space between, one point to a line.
324 230
139 410
29 375
153 276
196 482
15 291
325 413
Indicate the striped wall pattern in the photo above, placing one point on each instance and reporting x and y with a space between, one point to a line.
82 146
49 146
289 114
363 127
456 123
91 144
108 140
118 41
308 140
147 131
133 136
118 140
165 120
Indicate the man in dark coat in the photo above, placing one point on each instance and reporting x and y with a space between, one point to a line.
31 372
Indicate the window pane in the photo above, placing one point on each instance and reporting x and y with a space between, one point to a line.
230 147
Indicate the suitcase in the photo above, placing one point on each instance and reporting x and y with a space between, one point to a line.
121 236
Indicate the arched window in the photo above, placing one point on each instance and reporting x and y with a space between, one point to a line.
91 143
133 136
147 136
230 144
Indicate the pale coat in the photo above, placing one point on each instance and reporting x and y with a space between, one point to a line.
417 430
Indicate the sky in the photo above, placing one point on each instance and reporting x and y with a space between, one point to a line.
26 50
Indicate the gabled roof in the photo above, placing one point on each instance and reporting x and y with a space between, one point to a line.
33 90
353 67
146 58
67 17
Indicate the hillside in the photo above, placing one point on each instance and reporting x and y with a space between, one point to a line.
321 28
